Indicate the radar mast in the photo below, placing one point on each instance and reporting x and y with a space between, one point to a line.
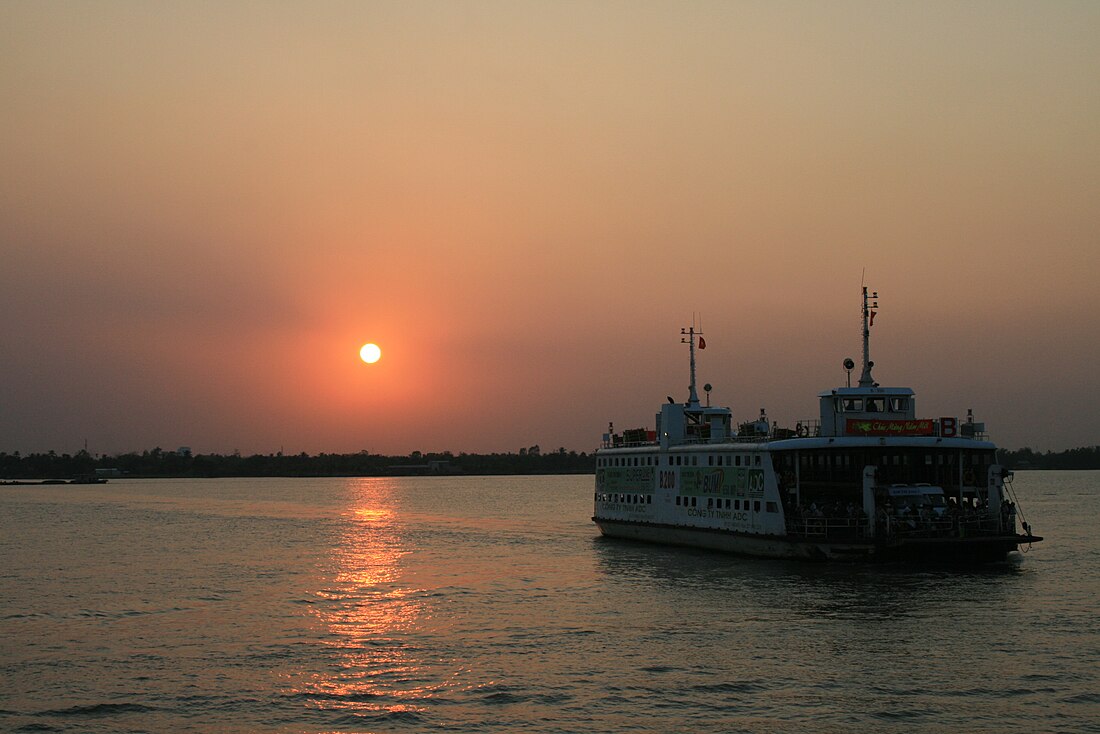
688 338
869 302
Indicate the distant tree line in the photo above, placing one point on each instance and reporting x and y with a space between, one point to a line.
1087 457
160 463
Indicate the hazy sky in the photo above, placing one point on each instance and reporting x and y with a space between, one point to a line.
206 208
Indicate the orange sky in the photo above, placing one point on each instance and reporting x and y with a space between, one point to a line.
206 209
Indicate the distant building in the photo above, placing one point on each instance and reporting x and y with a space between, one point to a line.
184 451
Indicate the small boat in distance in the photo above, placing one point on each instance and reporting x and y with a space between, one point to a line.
88 479
866 481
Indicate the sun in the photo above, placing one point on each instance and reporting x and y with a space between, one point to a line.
370 353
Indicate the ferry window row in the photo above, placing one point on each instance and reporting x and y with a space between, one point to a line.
735 460
909 465
682 460
716 504
835 459
627 461
626 499
875 404
719 460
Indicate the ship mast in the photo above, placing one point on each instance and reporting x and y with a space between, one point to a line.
869 302
689 339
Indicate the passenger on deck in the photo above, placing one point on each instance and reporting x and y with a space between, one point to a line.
882 520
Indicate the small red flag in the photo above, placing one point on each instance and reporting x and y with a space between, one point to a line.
702 343
872 318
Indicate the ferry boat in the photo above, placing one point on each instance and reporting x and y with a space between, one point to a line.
865 481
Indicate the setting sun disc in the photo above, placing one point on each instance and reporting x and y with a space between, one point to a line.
370 353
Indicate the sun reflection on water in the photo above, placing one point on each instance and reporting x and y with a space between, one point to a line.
368 616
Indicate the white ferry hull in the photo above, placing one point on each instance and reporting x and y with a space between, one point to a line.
920 550
745 544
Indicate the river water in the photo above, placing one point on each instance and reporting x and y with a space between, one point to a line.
490 604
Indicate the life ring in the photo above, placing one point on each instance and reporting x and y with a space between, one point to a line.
968 477
800 430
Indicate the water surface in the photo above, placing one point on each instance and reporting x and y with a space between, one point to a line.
491 604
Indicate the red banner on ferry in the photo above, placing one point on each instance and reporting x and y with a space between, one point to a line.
889 427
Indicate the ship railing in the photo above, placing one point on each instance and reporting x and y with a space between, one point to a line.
831 528
617 442
855 528
744 438
802 429
962 430
629 444
977 435
942 526
715 440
